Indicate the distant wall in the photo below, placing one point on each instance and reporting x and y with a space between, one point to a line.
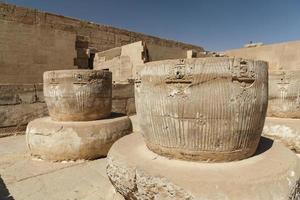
280 56
126 62
20 104
32 42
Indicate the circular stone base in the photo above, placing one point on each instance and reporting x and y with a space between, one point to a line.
137 173
285 130
57 141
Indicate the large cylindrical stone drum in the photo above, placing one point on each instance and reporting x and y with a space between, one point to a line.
205 109
284 94
78 95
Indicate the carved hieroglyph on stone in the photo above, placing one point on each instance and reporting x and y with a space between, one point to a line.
284 94
137 173
285 130
78 95
56 141
210 109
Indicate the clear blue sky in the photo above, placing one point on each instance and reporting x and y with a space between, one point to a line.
214 24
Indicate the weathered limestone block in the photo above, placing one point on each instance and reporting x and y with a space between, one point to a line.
122 61
119 105
285 130
12 94
21 114
284 94
19 104
208 109
122 90
53 140
78 95
123 98
130 106
139 174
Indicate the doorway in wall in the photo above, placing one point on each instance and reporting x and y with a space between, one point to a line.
91 61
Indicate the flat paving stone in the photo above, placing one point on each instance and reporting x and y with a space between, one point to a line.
24 178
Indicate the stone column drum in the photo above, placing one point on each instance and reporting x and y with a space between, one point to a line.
86 140
137 173
204 109
284 94
80 125
78 95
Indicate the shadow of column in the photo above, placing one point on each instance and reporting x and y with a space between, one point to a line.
264 145
4 193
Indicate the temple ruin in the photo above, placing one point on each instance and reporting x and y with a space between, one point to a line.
90 111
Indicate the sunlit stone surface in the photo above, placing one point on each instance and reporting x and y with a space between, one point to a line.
204 109
137 173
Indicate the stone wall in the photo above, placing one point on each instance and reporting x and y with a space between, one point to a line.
280 56
125 63
123 98
33 42
122 61
20 104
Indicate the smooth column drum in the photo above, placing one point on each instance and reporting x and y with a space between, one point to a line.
78 95
206 109
284 95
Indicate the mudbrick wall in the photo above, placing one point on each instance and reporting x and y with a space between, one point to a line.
33 42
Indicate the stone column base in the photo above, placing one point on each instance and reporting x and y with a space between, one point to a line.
57 141
138 173
285 130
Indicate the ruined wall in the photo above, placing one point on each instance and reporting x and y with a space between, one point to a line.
122 61
280 56
20 104
123 98
33 42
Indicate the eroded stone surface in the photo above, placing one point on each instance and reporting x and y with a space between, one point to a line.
138 173
284 130
52 140
210 109
78 95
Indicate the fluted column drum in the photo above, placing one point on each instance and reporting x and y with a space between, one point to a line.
284 94
205 109
78 95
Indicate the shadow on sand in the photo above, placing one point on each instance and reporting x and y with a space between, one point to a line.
4 193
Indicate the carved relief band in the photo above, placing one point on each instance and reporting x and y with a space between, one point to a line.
284 95
78 95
